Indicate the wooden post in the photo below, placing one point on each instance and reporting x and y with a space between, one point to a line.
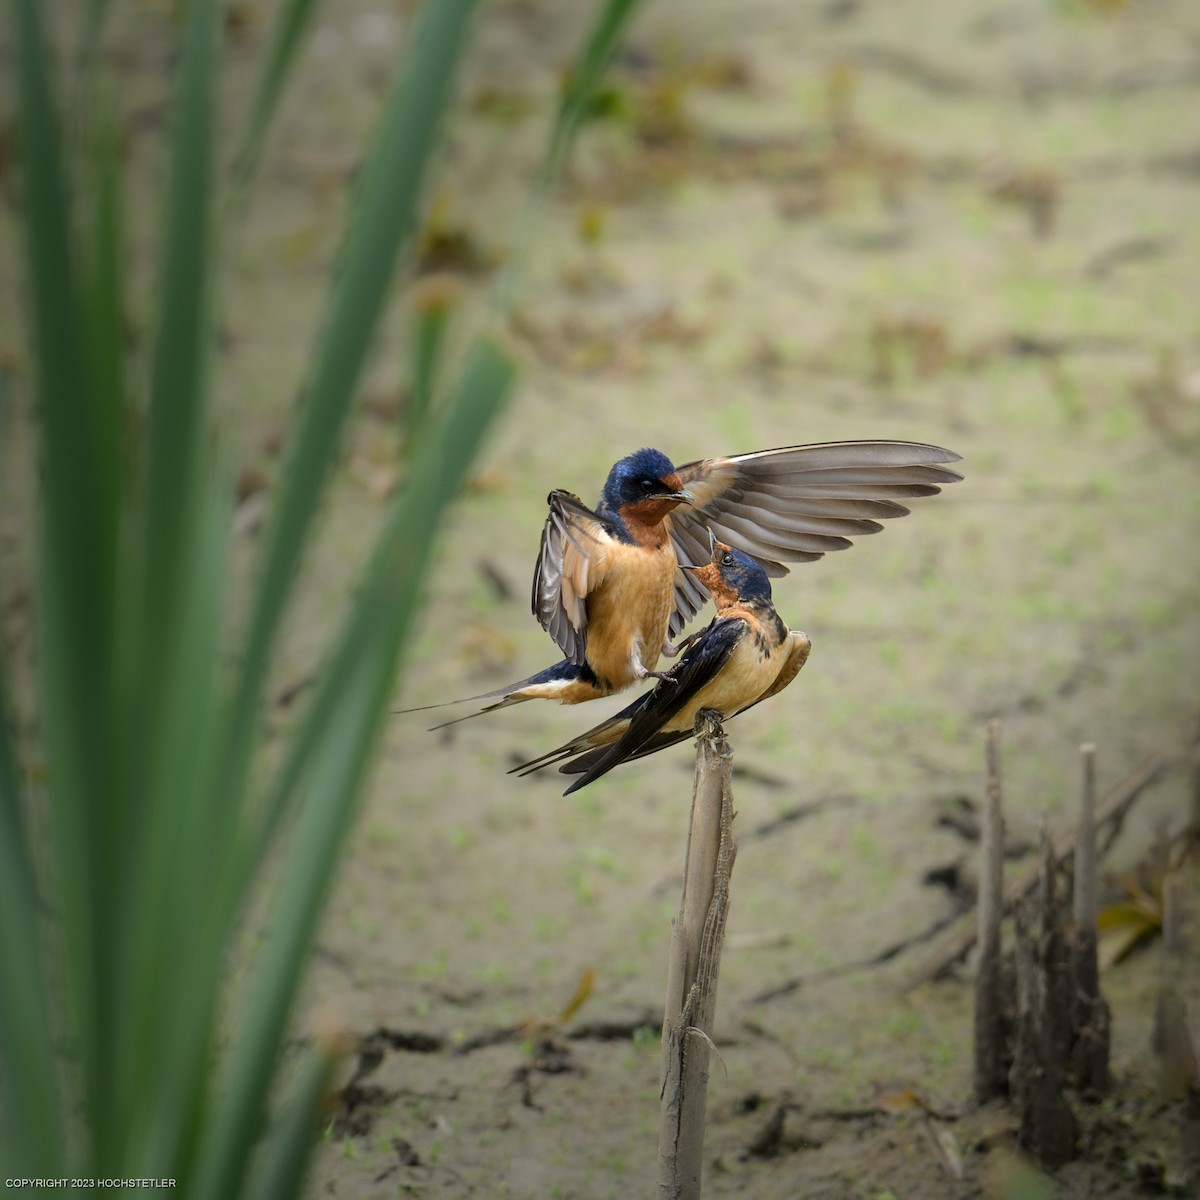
696 939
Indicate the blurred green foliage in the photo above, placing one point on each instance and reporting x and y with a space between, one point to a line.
126 867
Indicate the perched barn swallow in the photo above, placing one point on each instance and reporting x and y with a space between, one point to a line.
746 655
607 588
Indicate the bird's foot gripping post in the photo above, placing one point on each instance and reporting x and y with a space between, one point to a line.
696 940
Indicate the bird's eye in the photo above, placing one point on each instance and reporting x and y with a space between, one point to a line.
727 560
649 485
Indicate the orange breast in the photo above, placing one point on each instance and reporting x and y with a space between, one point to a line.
629 610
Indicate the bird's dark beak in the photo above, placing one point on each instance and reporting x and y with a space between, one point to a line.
674 489
712 545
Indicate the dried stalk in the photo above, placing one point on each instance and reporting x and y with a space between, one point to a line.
1171 1039
1089 1013
694 964
1048 1129
992 1058
1111 811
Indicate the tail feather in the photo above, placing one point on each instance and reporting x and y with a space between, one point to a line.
500 691
609 731
546 760
505 703
565 681
599 761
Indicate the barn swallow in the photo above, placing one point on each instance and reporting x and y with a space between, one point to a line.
606 585
746 655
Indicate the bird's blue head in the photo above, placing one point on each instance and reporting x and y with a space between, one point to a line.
641 477
733 576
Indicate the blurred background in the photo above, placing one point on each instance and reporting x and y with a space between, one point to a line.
972 225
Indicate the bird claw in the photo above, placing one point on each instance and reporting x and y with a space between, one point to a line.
673 651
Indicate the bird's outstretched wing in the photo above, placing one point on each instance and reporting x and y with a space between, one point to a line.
704 659
573 554
796 503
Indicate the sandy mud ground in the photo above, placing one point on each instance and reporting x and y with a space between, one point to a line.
971 224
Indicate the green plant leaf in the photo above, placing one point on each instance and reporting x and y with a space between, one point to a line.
158 840
602 40
292 22
284 1159
176 423
28 1096
385 217
78 519
401 557
434 302
97 15
333 746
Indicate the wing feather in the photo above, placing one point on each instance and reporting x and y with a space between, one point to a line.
570 562
796 503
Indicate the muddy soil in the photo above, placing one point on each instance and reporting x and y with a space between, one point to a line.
970 224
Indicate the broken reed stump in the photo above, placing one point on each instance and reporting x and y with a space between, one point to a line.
1111 812
1048 1127
1171 1038
1044 1026
1090 1019
1176 1036
993 1056
695 959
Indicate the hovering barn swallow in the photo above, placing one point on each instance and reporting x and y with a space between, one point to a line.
606 585
746 655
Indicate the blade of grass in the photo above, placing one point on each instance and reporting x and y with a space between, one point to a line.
333 748
178 608
404 551
176 428
97 14
79 509
104 299
31 1137
283 1161
434 301
317 840
292 23
146 813
598 49
601 42
384 222
103 312
175 975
